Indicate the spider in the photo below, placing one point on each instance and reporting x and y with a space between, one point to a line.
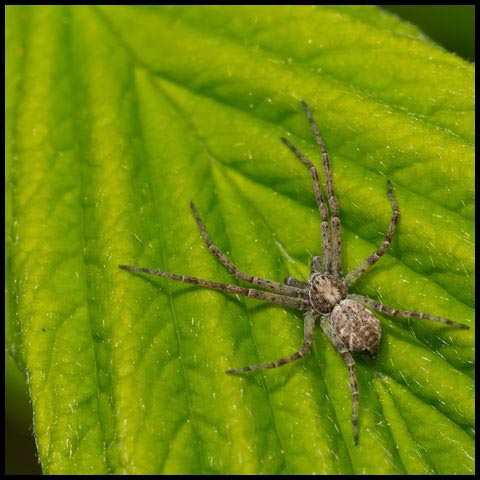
345 318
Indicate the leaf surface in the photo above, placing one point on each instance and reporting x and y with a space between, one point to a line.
117 117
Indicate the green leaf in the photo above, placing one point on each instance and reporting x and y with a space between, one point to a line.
117 117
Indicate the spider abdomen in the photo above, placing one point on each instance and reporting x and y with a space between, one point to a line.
357 327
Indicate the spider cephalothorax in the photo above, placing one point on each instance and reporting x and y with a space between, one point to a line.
344 317
325 291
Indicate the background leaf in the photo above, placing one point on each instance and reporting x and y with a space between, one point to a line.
116 118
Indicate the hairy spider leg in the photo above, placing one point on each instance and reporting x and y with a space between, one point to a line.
322 207
332 199
368 302
309 325
295 283
290 290
374 257
283 300
342 349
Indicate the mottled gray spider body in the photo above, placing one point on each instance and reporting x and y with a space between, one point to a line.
345 318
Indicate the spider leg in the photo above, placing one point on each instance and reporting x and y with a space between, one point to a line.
322 206
295 283
368 302
374 257
332 199
316 264
352 377
291 290
282 300
309 325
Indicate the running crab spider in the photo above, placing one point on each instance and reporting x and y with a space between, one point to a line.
345 318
